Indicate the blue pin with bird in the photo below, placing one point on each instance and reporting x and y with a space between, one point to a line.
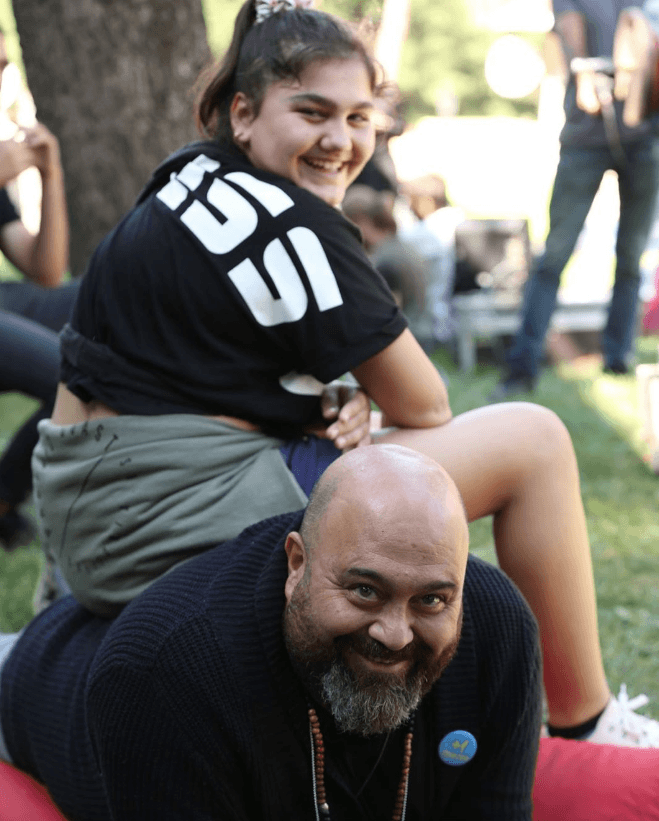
457 748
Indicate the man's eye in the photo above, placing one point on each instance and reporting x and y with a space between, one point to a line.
365 592
432 600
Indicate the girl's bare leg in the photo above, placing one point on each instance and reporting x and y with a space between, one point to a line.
516 461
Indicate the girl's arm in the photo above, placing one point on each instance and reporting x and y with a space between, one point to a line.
405 385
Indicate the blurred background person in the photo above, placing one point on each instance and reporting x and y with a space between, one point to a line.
432 234
593 140
399 263
31 311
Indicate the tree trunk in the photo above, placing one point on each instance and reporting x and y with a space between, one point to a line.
112 80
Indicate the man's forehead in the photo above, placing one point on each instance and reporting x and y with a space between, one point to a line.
413 555
408 522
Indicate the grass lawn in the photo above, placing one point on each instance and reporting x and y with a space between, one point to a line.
620 496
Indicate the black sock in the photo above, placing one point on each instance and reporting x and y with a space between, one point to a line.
577 731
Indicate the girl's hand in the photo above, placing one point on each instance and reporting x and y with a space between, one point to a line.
351 408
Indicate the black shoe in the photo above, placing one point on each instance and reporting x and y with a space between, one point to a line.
617 369
512 386
15 531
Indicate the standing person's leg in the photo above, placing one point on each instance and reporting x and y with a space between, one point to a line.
578 176
637 182
516 462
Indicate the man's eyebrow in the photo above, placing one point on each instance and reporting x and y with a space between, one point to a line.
367 573
311 97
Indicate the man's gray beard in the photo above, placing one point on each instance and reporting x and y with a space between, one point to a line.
371 706
361 703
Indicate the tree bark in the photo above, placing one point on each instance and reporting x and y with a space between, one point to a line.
112 79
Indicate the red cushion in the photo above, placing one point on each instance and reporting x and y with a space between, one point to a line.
578 781
575 781
23 799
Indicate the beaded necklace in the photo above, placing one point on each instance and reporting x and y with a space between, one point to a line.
318 771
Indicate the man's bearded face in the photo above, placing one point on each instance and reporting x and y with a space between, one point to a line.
361 700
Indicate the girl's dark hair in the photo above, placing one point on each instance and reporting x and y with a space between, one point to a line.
278 48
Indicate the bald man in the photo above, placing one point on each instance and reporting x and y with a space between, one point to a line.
347 662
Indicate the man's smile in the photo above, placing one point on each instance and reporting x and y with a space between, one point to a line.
370 663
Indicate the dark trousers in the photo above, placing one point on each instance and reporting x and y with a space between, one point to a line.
579 174
30 319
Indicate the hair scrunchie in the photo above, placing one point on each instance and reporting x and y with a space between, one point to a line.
264 8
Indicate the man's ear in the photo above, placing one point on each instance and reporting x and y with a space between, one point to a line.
241 115
297 562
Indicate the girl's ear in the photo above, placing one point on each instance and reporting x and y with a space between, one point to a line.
241 114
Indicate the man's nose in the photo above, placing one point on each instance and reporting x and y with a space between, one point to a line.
392 628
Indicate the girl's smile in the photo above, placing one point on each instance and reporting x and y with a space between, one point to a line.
316 132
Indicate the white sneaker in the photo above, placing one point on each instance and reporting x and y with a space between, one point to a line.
621 726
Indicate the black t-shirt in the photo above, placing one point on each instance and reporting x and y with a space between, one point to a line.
226 290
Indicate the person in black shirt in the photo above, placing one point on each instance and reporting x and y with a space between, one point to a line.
209 320
421 666
32 311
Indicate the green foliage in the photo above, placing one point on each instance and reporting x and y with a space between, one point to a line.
445 54
444 51
355 9
219 16
8 25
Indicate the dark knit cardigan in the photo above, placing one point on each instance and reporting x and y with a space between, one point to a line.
186 706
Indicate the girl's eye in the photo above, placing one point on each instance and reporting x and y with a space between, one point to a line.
312 113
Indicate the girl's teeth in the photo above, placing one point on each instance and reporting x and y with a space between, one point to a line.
324 166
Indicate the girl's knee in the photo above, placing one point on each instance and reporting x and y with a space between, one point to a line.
543 433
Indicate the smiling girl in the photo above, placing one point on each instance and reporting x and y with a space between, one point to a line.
210 320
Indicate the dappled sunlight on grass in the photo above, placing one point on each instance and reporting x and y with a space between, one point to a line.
614 398
620 495
621 500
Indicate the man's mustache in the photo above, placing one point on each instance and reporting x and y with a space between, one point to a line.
374 650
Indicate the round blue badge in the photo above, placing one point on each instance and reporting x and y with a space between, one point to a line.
457 748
